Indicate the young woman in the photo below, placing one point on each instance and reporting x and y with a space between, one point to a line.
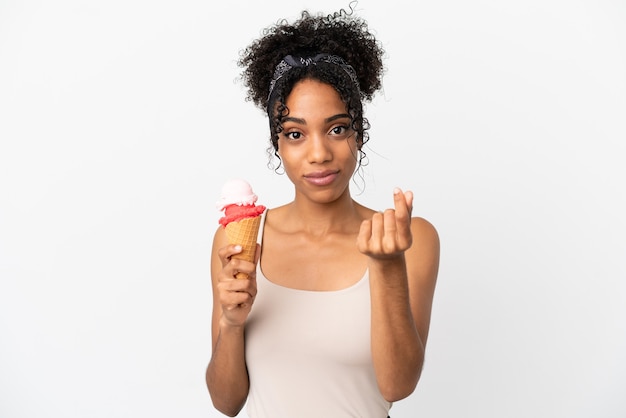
334 317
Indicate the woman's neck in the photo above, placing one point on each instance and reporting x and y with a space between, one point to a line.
341 216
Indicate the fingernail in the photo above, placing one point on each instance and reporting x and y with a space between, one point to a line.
397 190
237 247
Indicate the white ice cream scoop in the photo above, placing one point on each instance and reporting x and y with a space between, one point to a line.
236 192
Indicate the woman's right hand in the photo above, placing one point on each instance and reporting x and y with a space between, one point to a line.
226 375
236 296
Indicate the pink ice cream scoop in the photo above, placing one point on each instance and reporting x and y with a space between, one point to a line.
238 202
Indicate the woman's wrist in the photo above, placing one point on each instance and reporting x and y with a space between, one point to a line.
228 327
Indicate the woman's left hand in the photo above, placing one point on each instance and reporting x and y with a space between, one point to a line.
388 234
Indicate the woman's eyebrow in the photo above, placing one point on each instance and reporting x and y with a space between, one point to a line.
339 116
295 120
301 121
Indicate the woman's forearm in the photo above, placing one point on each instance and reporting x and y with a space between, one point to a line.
397 349
227 375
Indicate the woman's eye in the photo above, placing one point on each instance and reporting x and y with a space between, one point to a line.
293 135
340 130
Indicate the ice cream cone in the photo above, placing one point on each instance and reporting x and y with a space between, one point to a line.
245 233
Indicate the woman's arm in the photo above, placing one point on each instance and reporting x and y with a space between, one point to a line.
403 263
226 374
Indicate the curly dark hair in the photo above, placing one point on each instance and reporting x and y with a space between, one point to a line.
342 34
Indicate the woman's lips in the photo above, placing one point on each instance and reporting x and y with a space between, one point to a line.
321 178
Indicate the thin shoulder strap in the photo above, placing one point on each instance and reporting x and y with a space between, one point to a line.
262 227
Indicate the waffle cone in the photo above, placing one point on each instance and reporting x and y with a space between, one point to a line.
244 233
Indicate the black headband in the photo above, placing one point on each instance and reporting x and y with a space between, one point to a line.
290 62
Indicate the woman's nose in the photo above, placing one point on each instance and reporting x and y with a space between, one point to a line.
319 150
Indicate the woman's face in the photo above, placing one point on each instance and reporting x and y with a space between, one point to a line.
317 145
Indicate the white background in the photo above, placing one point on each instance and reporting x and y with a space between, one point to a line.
120 120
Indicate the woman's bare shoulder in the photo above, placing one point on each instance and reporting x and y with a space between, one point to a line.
423 227
425 236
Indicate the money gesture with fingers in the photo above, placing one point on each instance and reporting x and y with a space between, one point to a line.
388 234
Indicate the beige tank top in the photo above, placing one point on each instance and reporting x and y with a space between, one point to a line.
308 353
